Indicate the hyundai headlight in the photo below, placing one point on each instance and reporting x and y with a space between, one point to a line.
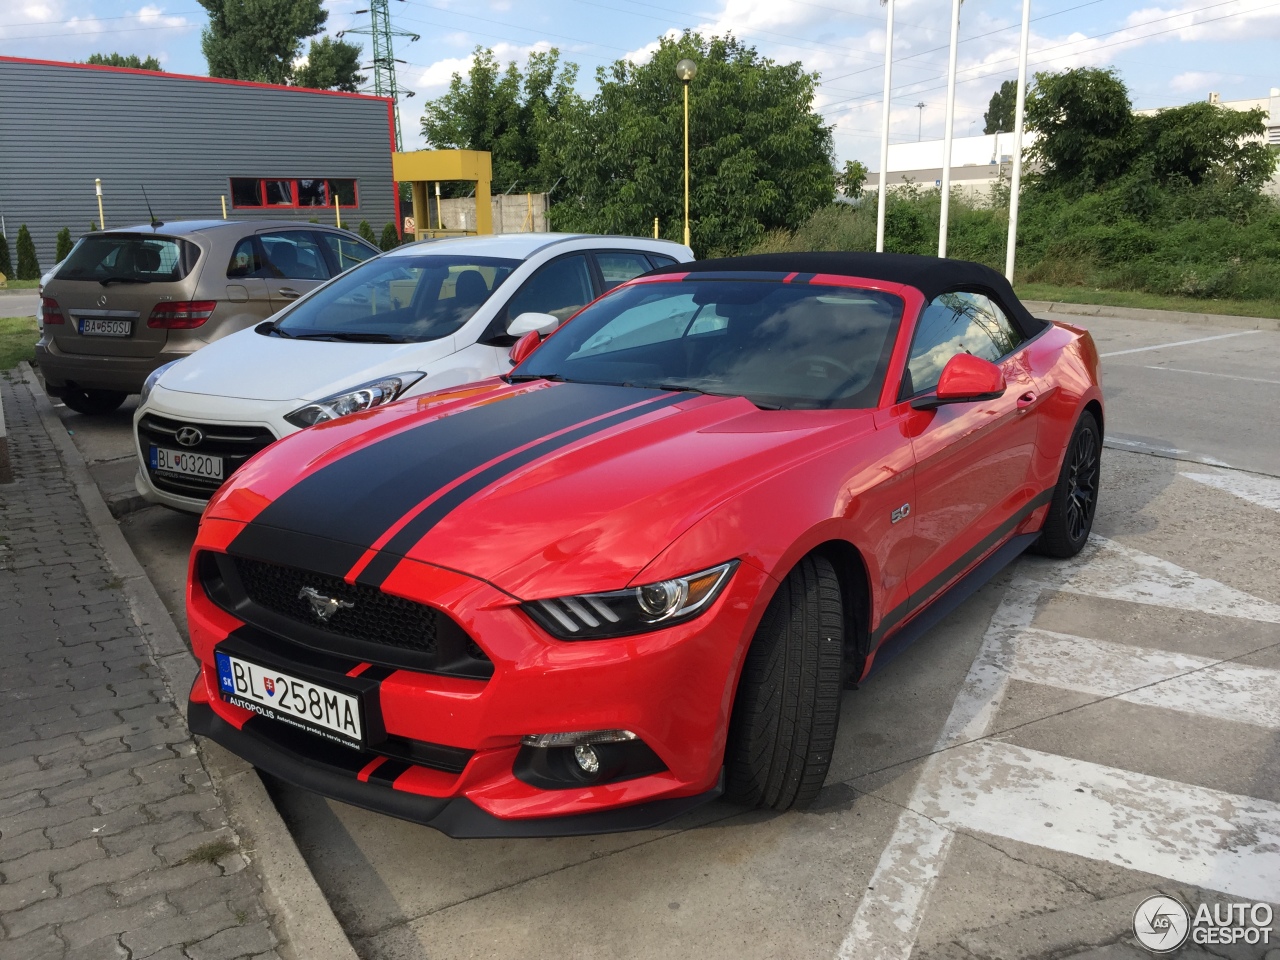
152 379
364 397
620 613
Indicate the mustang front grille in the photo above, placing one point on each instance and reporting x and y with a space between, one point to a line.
329 614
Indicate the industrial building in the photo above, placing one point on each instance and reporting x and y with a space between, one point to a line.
193 144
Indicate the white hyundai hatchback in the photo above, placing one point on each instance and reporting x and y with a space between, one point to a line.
419 318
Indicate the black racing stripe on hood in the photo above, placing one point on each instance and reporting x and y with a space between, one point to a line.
352 502
380 567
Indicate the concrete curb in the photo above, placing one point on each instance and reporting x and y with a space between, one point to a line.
6 470
309 929
1167 316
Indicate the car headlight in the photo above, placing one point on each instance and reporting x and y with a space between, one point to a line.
620 613
364 397
153 378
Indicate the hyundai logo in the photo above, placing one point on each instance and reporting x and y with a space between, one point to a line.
188 436
322 606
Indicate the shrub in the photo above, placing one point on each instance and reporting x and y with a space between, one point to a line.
390 239
65 243
6 265
366 232
28 265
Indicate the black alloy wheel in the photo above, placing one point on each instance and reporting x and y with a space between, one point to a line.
1075 499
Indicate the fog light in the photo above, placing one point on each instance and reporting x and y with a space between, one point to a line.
587 759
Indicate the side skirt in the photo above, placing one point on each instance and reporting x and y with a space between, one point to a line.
961 591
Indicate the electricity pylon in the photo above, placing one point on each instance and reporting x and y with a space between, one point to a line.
384 61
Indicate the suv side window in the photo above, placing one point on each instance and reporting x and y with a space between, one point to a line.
247 260
660 261
618 266
954 323
560 288
294 255
345 252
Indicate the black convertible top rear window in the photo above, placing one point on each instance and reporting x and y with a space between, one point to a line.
792 345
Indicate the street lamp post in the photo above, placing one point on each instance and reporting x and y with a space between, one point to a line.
686 70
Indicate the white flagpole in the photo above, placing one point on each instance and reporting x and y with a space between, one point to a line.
946 133
1015 184
884 129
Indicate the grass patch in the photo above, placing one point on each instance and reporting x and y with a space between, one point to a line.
21 284
17 341
210 852
1148 301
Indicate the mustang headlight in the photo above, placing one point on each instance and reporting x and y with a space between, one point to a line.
619 613
372 394
152 379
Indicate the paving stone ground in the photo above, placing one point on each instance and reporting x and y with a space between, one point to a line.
113 842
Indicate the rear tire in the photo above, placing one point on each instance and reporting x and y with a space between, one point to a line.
92 402
787 709
1075 499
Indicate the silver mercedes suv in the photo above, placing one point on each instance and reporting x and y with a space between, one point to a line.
129 300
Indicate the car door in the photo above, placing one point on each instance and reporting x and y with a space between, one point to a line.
295 263
247 273
973 460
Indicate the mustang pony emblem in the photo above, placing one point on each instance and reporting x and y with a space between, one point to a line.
322 606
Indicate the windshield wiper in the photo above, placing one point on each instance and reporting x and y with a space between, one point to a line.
350 337
269 327
107 281
684 388
522 377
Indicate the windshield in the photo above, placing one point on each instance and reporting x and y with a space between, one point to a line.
130 258
399 298
798 346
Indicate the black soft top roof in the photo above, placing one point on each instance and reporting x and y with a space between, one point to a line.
930 275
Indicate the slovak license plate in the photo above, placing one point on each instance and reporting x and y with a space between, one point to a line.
272 693
188 464
97 327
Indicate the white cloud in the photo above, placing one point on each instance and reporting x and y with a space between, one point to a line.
1195 81
435 77
153 16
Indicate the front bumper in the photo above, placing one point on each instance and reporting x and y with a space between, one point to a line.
672 687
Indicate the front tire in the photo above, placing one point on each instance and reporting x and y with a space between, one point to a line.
1075 499
783 729
92 402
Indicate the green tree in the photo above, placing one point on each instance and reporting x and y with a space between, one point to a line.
1001 110
852 178
331 65
6 265
760 156
258 39
510 113
1088 133
28 265
366 232
390 239
65 243
125 60
1191 142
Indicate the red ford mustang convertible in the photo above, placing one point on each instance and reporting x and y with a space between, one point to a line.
637 572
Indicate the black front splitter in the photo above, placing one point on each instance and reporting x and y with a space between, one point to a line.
456 817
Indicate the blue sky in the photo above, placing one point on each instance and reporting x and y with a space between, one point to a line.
1169 53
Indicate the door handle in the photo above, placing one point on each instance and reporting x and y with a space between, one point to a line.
1026 400
289 293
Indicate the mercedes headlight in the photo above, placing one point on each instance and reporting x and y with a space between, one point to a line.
364 397
152 379
619 613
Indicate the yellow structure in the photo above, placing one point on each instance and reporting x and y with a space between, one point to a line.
419 168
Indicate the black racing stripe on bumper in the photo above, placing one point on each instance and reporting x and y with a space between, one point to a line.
354 500
457 817
380 567
386 773
922 596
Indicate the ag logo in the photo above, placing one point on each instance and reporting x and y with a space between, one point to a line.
188 436
1161 924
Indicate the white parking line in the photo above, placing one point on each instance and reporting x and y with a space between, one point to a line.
1187 833
1257 489
887 919
1153 678
1180 343
1206 373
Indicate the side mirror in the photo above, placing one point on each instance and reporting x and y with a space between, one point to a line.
964 379
543 323
525 345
